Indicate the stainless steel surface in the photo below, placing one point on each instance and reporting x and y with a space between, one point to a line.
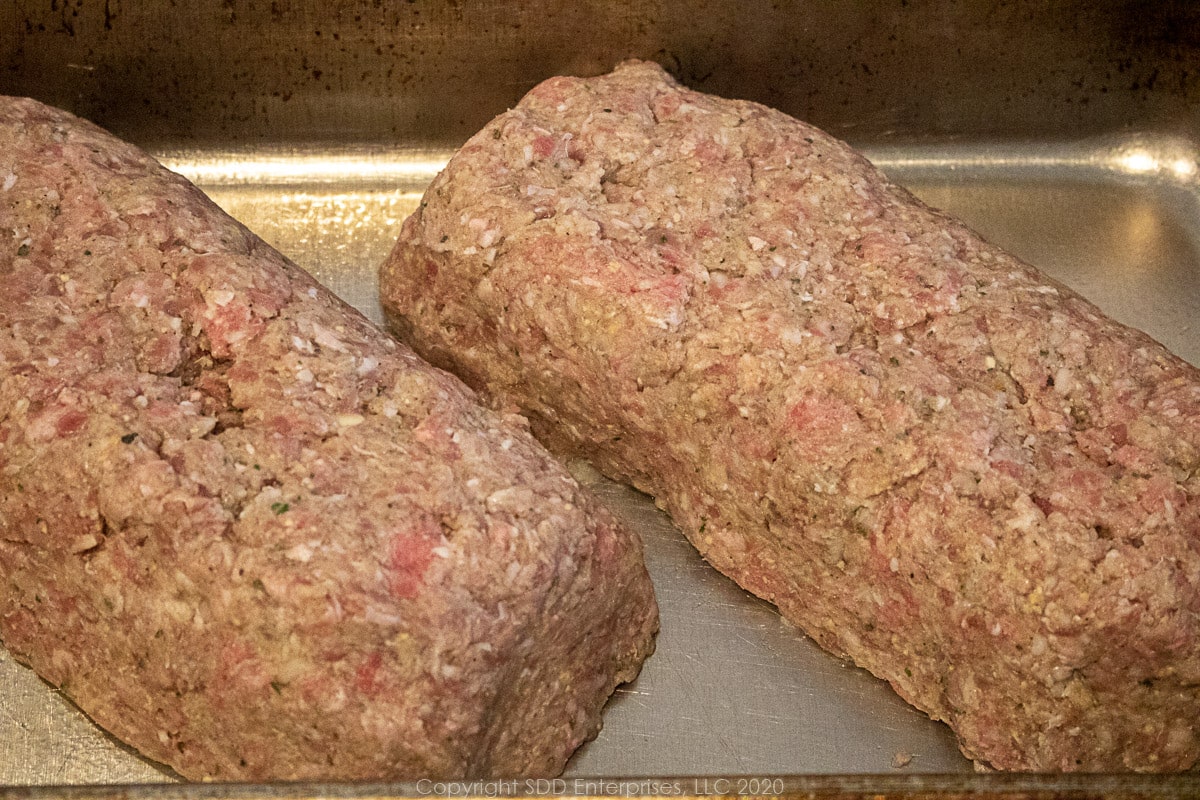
732 688
991 786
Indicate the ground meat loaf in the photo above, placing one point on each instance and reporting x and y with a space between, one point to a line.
932 458
251 535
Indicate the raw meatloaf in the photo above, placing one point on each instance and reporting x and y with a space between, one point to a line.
251 535
933 459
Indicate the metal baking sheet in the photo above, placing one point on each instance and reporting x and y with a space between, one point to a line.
732 689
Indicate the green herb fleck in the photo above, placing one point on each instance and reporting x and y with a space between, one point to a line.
703 524
87 252
128 438
256 466
908 672
280 508
258 584
895 362
496 134
278 686
23 250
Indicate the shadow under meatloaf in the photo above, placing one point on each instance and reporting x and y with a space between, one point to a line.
930 457
253 536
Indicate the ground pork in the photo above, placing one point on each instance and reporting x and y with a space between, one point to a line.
251 535
932 458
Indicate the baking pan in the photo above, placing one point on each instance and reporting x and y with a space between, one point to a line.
833 787
1067 134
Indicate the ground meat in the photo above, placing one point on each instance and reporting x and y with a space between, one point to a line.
932 458
251 535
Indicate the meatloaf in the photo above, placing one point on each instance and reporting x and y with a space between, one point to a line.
251 535
933 459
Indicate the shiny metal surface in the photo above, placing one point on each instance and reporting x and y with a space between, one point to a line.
732 690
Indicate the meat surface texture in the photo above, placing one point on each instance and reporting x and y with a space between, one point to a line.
933 459
250 534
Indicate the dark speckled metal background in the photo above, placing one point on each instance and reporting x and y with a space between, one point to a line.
222 71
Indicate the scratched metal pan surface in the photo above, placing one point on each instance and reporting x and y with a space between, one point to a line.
732 689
